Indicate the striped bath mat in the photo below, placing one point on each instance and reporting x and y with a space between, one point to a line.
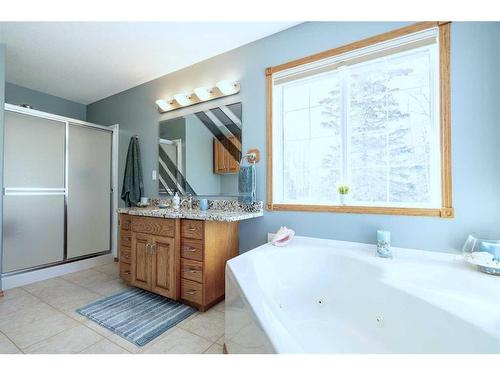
137 315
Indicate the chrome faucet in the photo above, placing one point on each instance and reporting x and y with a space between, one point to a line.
189 201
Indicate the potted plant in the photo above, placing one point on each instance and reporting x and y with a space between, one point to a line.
343 191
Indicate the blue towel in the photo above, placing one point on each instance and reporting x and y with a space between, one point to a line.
247 184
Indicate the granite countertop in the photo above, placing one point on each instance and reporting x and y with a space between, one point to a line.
195 213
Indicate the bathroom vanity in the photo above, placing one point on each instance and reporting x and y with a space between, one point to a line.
179 254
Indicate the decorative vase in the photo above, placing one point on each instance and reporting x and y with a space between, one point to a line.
343 199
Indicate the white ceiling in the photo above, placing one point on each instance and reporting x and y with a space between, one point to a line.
88 61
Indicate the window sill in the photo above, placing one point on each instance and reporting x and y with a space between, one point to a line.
447 213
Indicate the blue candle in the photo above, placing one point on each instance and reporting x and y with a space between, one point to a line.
384 244
383 236
492 248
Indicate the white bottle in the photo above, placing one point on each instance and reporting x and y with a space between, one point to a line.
176 201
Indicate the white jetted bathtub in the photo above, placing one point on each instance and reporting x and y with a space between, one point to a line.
324 296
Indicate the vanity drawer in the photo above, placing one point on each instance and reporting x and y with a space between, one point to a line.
125 255
192 229
191 291
125 239
124 222
125 271
151 225
192 249
192 270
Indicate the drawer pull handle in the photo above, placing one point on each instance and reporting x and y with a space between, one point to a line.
192 271
191 228
127 272
191 292
191 249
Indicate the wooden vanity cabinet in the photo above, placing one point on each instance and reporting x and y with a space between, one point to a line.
155 256
177 258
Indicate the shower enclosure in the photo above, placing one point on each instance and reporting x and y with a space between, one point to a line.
58 190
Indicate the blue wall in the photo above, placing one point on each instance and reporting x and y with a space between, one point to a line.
475 58
40 101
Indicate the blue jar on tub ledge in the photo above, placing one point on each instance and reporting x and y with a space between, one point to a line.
384 244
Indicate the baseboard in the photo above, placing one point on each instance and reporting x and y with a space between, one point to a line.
224 349
1 293
13 281
116 259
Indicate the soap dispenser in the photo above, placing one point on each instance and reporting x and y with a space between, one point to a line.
176 201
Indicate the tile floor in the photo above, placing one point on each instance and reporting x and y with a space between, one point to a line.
41 318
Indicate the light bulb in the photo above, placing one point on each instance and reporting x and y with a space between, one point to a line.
164 105
182 99
203 93
228 87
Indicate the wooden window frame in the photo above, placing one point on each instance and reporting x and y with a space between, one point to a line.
446 211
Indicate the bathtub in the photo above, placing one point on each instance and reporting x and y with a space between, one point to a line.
325 296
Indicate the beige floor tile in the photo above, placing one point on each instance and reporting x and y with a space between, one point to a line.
85 277
125 344
6 346
104 347
220 341
31 325
109 287
34 288
220 306
71 341
209 325
65 295
110 269
214 349
88 323
179 341
16 300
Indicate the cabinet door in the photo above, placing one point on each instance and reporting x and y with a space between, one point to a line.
232 165
141 260
219 157
164 267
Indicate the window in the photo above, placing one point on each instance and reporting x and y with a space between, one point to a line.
374 118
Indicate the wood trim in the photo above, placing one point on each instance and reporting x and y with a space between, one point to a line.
445 120
1 293
447 210
224 349
405 211
269 120
419 26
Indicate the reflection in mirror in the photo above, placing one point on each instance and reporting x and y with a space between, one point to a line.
199 153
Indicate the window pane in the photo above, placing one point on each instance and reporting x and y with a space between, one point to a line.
391 128
369 185
312 148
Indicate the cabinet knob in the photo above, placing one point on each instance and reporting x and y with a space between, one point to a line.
192 270
127 272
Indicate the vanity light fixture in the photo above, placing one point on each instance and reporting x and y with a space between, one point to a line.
201 94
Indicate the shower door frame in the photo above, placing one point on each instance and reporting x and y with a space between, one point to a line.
113 215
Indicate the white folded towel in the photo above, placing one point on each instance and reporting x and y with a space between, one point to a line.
283 236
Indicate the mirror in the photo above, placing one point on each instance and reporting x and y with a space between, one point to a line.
199 153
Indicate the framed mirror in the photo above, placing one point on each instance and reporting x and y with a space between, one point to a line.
200 153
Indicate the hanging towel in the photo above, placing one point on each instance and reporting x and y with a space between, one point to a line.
133 187
247 183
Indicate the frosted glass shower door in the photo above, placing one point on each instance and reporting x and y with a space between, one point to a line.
34 163
89 190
